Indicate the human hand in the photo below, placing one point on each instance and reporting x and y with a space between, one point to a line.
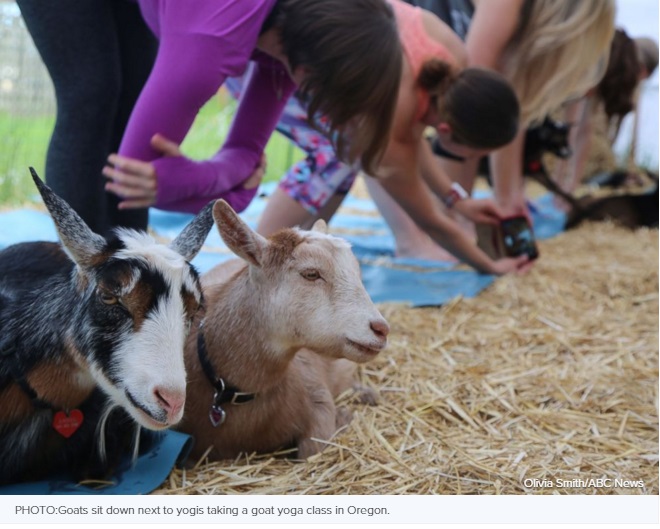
255 178
515 207
479 211
135 181
508 265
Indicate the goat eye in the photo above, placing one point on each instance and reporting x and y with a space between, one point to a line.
311 275
109 299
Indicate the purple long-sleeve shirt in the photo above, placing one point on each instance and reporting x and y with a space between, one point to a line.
202 42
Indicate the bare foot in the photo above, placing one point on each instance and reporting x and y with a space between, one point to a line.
424 249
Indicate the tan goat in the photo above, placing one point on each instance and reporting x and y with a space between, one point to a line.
295 290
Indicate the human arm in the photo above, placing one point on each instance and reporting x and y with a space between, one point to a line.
493 26
481 211
141 189
258 112
403 183
168 105
507 176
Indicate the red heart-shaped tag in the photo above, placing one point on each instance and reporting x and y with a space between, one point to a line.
66 425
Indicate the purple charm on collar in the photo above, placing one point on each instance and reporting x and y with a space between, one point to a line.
217 416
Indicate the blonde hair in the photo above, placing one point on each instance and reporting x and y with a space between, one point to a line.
558 52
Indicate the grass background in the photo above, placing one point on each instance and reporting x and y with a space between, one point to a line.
25 142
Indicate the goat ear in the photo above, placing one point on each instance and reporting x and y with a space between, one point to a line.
190 240
238 236
320 225
78 240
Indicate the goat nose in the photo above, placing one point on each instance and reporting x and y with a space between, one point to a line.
170 400
380 328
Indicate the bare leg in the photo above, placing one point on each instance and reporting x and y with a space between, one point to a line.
282 211
410 240
330 208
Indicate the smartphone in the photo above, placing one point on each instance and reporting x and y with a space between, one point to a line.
489 240
517 237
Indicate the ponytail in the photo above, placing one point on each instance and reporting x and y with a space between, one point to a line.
436 77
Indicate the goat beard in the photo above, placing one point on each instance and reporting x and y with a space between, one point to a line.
101 433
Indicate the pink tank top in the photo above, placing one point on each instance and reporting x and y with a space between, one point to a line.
417 45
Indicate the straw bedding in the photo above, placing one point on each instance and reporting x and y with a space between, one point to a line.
551 375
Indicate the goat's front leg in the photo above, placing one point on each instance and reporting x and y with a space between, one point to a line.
322 424
366 395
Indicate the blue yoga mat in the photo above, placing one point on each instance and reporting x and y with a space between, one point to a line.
148 472
390 279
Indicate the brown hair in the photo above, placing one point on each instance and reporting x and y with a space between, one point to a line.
647 54
352 53
617 88
479 105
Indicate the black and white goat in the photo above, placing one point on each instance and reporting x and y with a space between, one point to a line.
89 325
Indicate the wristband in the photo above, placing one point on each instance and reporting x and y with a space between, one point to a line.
455 194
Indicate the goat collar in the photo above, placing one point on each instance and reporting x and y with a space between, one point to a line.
224 393
64 422
31 393
7 351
